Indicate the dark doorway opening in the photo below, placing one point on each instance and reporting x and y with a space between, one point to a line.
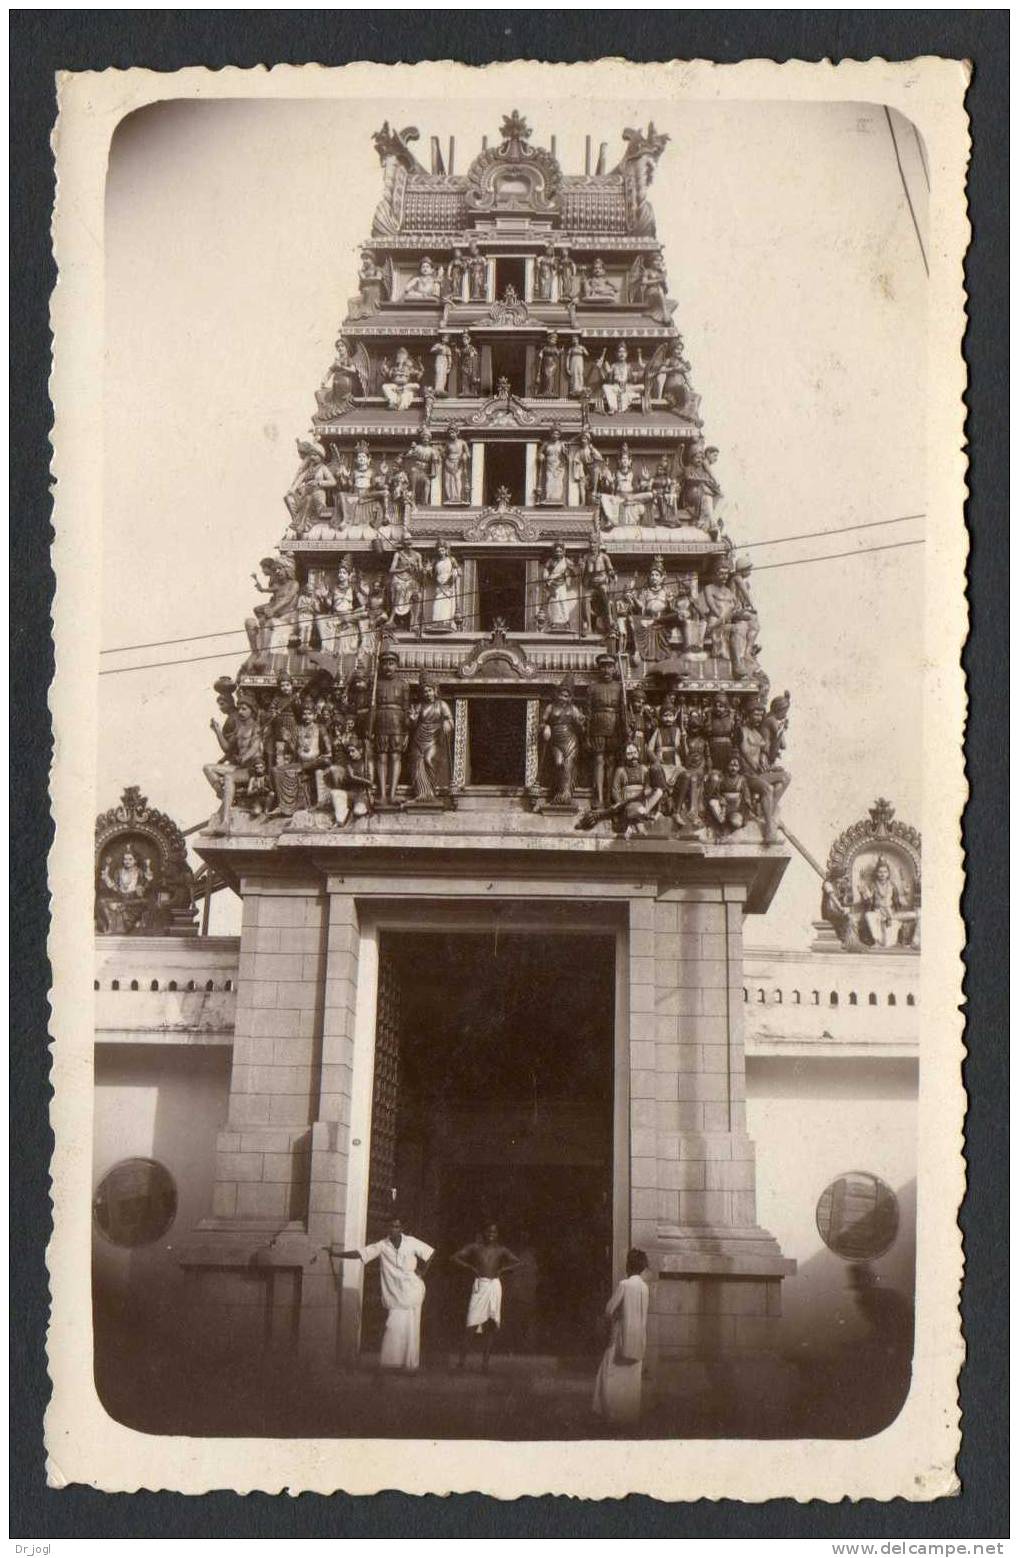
502 1109
496 751
509 272
502 593
505 466
509 361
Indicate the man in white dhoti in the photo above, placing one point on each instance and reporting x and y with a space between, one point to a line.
617 1389
487 1259
403 1292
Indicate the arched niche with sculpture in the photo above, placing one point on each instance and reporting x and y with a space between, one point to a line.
870 897
143 883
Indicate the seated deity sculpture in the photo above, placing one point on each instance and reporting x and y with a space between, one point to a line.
427 284
307 500
597 285
621 379
888 918
126 894
401 379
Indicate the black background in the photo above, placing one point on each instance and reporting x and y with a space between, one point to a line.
43 42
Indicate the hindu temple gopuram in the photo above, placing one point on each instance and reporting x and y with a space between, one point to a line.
498 781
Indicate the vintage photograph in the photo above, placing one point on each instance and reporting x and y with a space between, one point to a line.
511 627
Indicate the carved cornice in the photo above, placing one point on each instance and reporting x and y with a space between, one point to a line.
502 523
498 656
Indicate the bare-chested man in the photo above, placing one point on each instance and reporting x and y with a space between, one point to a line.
487 1259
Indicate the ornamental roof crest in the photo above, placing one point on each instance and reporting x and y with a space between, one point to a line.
513 176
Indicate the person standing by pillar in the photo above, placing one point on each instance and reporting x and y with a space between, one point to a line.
403 1292
617 1390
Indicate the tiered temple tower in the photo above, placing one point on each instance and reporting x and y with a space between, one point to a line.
505 677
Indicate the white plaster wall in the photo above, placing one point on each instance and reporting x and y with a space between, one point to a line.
812 1120
165 1102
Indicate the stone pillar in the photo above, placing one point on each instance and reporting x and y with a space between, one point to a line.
477 473
250 1255
717 1295
530 472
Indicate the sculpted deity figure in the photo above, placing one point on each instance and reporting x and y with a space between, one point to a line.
283 591
576 368
442 352
557 581
567 275
456 459
641 721
888 916
652 287
604 725
447 578
728 796
389 737
468 366
665 497
669 380
544 275
664 751
696 759
552 468
456 272
340 385
341 610
307 500
775 724
428 752
700 491
477 273
654 614
369 278
620 378
240 741
562 724
716 605
597 285
298 761
766 782
257 794
598 575
423 460
720 727
548 368
635 795
427 284
587 466
406 572
125 899
401 380
345 787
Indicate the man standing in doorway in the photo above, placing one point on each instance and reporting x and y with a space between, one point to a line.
403 1292
487 1259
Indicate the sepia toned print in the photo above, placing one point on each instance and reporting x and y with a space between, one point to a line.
496 1060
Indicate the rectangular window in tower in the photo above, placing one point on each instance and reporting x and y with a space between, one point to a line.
505 467
497 741
509 272
502 589
509 361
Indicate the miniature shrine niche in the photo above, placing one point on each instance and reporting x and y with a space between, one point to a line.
870 896
143 883
505 571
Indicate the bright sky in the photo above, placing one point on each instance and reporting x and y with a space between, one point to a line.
232 233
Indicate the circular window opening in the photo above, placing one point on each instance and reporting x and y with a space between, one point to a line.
136 1202
858 1216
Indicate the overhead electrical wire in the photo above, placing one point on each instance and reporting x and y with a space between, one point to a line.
809 535
795 562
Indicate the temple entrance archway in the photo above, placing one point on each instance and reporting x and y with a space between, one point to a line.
493 1099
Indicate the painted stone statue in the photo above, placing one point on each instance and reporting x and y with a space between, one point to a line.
598 578
403 599
241 744
621 379
126 893
576 368
426 286
766 782
587 467
477 274
422 460
597 285
549 367
700 491
279 610
562 725
604 725
567 270
428 748
307 500
557 577
389 735
888 917
340 385
468 360
447 577
401 380
545 275
552 468
456 459
442 367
